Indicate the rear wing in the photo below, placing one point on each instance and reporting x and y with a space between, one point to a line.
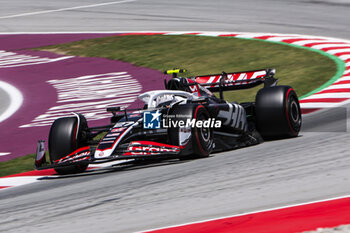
238 80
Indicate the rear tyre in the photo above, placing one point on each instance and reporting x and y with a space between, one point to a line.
66 135
277 112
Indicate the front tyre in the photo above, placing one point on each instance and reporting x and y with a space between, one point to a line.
66 135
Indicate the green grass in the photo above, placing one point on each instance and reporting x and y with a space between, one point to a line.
303 69
14 166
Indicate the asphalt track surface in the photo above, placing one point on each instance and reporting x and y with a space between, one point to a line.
311 167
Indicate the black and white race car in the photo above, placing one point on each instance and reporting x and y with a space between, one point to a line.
186 120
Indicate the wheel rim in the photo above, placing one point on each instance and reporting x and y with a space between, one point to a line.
294 113
205 133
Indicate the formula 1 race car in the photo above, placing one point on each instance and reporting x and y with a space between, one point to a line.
186 120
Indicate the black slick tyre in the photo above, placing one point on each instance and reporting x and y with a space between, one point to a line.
277 112
202 137
201 141
66 135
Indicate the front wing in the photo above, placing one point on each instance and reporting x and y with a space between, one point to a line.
134 150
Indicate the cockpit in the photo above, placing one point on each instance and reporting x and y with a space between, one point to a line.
154 99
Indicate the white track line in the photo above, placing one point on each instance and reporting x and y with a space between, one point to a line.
17 181
16 100
242 34
65 9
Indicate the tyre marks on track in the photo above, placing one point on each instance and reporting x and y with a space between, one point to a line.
89 95
11 59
